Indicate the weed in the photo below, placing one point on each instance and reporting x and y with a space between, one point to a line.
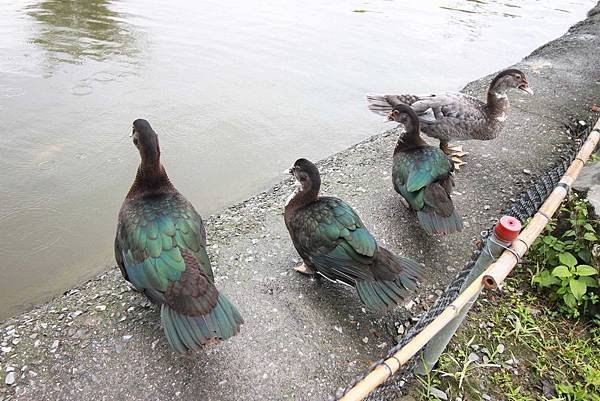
564 256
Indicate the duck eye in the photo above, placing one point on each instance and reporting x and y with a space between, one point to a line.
518 76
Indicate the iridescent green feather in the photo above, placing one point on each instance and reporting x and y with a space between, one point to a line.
153 239
413 171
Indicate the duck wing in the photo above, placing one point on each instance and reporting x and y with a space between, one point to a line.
430 108
331 235
161 249
423 177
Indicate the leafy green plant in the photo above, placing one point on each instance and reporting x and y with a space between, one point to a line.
564 257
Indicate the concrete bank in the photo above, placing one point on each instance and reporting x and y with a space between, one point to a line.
302 338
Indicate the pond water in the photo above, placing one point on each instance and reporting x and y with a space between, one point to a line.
236 90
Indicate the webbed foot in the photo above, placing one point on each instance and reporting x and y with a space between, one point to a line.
304 269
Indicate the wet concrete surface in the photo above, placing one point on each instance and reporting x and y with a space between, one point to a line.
303 337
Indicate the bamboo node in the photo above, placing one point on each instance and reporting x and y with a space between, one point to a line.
543 214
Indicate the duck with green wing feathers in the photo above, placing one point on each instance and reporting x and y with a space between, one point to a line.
422 174
334 242
160 248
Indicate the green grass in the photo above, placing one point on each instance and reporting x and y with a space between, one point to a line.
529 344
556 358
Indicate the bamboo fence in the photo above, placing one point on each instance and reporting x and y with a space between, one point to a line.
492 277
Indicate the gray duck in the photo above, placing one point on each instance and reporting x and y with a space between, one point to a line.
422 174
160 248
450 116
333 241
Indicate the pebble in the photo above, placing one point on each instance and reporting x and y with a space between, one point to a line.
473 357
527 171
10 379
500 348
101 307
6 350
365 340
338 329
486 397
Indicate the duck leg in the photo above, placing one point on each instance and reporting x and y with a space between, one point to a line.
305 269
455 153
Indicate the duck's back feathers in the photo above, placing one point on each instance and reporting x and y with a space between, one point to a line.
161 249
442 116
423 177
331 237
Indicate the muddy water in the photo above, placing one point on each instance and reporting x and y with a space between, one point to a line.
236 90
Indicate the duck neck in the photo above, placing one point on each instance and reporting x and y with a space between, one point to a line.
411 139
497 104
151 176
302 196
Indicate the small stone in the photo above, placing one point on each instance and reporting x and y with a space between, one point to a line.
54 344
37 343
473 357
486 397
338 329
500 348
10 379
101 307
437 393
10 369
365 340
409 305
486 207
127 337
6 350
527 171
76 313
401 329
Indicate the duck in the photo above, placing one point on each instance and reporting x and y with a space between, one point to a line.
160 248
333 242
423 175
449 116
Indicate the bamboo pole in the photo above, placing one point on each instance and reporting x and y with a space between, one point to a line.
491 277
498 271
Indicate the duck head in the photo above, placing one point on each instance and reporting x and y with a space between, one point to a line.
308 182
145 139
406 116
507 79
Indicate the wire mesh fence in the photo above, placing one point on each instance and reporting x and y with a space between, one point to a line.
524 207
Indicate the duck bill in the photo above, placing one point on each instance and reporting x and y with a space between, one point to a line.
526 88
